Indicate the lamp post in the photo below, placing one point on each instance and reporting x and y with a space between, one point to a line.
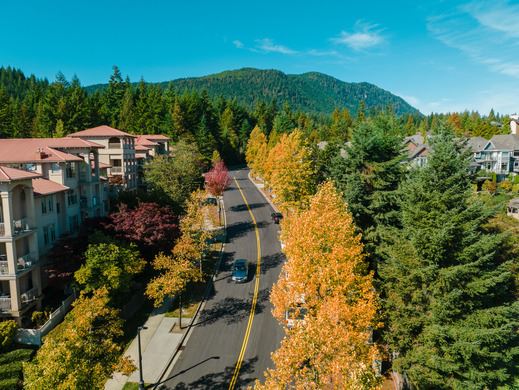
141 379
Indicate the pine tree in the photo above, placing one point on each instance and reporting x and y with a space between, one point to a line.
5 114
449 290
126 118
113 97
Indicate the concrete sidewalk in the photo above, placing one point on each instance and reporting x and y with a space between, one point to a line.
158 343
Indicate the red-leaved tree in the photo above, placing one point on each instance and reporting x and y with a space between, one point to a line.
217 179
152 227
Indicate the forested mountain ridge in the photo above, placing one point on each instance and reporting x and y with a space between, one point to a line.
311 92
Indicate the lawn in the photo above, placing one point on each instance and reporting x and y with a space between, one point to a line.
132 386
11 368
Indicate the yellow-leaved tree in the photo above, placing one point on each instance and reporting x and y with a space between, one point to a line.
325 283
256 152
81 352
289 171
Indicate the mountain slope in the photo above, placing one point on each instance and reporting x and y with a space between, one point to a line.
309 92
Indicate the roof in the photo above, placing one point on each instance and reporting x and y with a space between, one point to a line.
476 144
156 137
505 142
416 139
142 148
46 187
8 174
141 140
103 165
101 131
420 150
24 150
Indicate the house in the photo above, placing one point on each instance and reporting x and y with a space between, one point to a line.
417 150
500 155
117 153
513 208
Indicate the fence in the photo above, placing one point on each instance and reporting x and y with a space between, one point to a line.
34 336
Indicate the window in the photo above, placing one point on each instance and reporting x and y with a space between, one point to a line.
73 223
46 235
52 232
51 204
71 170
58 207
43 206
72 197
55 167
30 167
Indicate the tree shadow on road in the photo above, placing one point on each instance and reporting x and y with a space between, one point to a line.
243 207
240 229
219 380
271 261
232 310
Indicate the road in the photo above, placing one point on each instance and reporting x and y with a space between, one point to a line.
210 358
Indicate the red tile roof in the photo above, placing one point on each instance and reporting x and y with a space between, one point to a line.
101 131
68 142
142 140
141 147
156 137
42 186
23 150
8 174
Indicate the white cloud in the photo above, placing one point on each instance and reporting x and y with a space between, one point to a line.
485 32
363 37
268 46
238 44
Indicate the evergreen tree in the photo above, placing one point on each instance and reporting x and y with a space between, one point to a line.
5 114
370 174
77 117
450 297
126 115
113 98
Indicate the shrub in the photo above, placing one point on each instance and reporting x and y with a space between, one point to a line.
515 188
7 333
9 384
506 185
516 179
490 186
38 318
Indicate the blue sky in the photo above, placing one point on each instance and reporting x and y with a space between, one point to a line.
439 55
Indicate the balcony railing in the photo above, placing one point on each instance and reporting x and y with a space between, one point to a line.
2 229
116 169
4 268
5 303
29 295
25 262
20 226
113 145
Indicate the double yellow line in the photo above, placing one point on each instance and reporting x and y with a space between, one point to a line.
254 298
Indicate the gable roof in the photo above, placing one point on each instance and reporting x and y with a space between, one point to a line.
46 187
504 142
141 148
156 137
8 174
101 131
28 150
476 144
142 140
416 139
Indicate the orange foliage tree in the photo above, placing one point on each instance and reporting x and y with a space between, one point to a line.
325 275
257 150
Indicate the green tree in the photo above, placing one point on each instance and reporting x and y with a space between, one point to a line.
450 296
113 98
110 266
174 178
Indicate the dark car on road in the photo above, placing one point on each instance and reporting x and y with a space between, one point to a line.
240 270
276 217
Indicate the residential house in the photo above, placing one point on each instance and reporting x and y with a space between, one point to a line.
417 150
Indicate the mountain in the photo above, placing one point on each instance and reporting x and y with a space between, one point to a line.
310 92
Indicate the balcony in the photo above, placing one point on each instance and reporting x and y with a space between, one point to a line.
116 170
2 229
20 226
29 295
114 145
5 303
25 262
83 202
4 268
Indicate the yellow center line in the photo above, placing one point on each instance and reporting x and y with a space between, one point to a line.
254 298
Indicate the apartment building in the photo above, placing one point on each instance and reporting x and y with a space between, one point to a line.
48 187
147 147
117 154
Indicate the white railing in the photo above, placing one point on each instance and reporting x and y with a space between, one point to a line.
116 169
2 229
4 267
114 145
29 295
5 303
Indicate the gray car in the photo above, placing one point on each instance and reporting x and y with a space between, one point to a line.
240 270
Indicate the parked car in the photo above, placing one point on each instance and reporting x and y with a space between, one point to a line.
295 315
211 200
276 217
240 271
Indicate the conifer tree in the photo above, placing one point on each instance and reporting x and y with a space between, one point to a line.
449 290
113 97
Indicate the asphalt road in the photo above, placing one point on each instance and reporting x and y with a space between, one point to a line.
210 356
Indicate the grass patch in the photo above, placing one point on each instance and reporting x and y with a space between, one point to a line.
132 386
11 367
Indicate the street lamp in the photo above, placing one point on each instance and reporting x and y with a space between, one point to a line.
141 380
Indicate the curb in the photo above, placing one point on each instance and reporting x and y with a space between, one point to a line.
187 335
263 193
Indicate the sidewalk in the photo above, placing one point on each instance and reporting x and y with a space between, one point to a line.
260 186
159 344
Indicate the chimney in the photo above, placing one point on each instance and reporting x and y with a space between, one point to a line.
514 120
40 153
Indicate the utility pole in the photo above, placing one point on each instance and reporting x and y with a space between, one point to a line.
141 379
